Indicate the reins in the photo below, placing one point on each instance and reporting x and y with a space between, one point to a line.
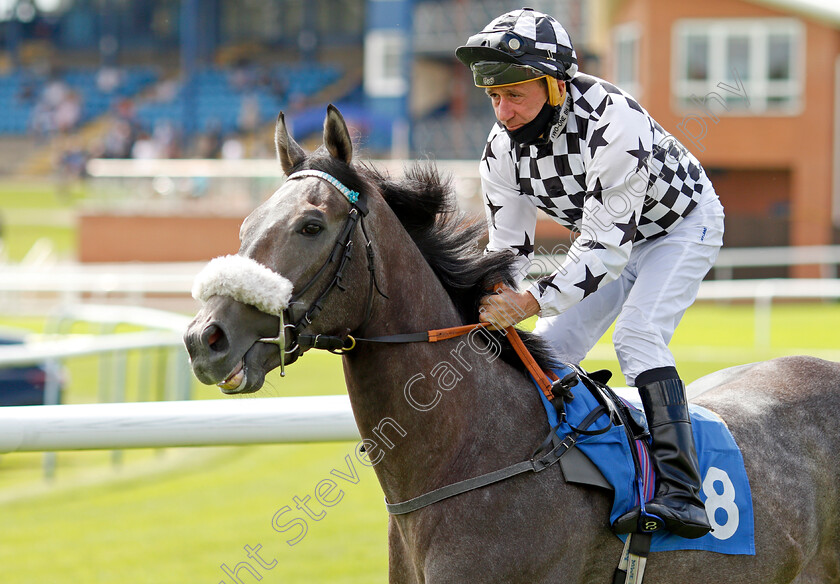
545 380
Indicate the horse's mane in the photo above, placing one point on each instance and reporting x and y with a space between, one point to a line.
424 202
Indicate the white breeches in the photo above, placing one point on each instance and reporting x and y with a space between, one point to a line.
647 300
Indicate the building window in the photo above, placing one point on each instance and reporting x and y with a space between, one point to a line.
626 61
385 74
754 66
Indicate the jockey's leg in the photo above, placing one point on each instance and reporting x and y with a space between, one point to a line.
677 499
669 272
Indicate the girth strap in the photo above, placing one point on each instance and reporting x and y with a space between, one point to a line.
475 482
631 567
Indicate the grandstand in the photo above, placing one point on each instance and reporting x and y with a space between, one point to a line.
226 68
197 75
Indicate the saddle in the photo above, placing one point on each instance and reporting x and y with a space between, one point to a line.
628 426
609 433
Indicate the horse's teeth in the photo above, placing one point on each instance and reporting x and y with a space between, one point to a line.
235 380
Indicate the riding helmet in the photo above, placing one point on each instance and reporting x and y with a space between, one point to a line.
519 46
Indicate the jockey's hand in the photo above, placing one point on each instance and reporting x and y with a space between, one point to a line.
507 307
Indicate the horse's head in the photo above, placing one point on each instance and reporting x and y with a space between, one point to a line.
292 266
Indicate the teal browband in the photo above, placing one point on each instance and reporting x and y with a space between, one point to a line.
351 195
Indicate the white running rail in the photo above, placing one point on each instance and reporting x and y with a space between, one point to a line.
177 423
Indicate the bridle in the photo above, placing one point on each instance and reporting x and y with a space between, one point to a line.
341 254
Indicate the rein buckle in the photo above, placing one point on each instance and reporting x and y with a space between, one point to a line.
351 346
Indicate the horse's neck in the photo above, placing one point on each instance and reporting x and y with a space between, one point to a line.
435 413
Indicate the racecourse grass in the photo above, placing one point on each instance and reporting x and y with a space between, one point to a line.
177 516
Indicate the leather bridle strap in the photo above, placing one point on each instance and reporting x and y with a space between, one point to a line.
344 246
540 377
333 343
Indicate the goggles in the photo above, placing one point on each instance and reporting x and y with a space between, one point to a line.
507 41
495 74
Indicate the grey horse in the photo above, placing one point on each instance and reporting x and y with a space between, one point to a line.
431 414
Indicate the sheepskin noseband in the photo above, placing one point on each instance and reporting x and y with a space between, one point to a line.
244 280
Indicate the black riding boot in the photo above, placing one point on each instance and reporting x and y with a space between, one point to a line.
677 499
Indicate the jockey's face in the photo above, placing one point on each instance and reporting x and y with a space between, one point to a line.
516 105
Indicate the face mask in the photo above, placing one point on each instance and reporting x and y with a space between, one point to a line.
530 133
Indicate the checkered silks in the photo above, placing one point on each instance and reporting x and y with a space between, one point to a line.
612 174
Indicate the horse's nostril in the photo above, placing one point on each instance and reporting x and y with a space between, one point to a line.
215 338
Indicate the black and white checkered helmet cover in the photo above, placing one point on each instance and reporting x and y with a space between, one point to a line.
546 34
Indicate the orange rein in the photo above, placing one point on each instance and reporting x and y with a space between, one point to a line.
543 378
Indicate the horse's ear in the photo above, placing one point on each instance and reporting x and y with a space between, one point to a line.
336 137
289 153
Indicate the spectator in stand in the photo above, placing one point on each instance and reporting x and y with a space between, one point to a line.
121 133
68 112
275 84
71 165
73 161
108 79
243 76
28 88
233 148
144 148
165 137
249 113
118 140
208 144
58 109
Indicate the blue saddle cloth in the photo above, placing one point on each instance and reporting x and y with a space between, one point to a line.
725 489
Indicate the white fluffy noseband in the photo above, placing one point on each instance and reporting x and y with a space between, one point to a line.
244 280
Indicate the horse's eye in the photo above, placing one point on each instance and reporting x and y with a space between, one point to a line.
311 229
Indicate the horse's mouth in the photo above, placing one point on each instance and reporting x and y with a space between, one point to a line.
243 379
236 380
248 374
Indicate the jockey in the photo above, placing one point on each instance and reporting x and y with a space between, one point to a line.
648 220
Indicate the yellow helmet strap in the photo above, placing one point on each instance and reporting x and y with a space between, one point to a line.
555 95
